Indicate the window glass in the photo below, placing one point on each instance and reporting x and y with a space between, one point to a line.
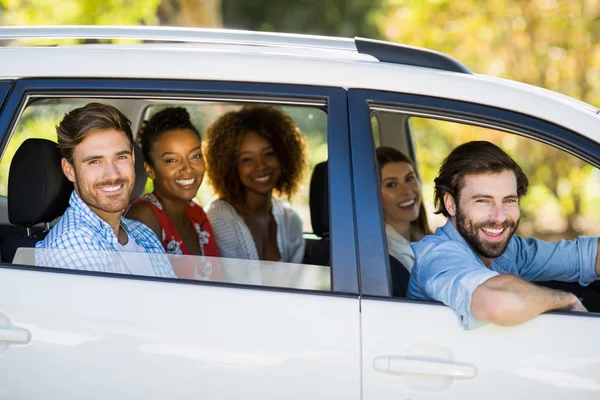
39 120
560 202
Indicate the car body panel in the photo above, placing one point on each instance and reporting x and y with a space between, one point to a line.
553 356
98 337
224 64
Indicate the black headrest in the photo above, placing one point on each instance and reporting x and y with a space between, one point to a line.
319 199
38 191
140 173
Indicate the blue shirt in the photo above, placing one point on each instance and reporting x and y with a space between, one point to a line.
80 228
447 270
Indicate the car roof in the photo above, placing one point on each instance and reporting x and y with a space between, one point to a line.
243 56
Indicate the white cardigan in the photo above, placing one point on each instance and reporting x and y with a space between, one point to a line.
235 240
399 247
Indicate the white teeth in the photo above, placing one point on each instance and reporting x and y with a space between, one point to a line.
407 203
263 179
493 231
186 182
111 188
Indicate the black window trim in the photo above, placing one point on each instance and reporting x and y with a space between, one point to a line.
372 246
344 276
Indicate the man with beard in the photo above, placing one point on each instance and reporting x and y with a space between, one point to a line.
97 148
475 264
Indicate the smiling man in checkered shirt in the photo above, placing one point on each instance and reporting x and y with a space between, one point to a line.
97 147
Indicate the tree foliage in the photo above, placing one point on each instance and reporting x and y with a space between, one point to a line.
78 12
320 17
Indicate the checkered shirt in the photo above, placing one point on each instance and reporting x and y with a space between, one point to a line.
80 228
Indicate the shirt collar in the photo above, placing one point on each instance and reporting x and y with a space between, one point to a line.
90 216
394 235
450 231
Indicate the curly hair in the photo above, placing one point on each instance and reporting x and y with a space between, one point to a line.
163 121
223 140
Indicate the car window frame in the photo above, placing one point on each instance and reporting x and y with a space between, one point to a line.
344 275
374 269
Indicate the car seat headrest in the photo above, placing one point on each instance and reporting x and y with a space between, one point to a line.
319 199
38 190
140 174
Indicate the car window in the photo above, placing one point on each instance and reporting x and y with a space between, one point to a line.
559 204
40 117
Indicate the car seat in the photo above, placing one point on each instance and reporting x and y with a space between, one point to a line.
318 252
38 192
140 174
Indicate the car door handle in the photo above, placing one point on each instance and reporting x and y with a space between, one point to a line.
14 335
424 366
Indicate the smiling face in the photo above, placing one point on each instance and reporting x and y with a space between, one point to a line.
258 165
400 193
103 171
487 213
177 164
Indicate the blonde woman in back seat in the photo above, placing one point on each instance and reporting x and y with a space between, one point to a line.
403 209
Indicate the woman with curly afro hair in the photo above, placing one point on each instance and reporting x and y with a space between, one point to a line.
172 151
252 154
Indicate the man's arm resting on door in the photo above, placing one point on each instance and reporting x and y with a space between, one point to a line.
509 300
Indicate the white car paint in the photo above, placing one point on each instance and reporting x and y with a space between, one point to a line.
249 64
96 337
553 356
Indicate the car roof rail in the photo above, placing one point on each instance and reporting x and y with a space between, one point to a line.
380 50
408 55
174 34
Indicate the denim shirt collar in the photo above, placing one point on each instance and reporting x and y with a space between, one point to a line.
87 214
450 231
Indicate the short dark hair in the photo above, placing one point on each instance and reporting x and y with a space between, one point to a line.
163 121
225 135
79 123
386 155
473 158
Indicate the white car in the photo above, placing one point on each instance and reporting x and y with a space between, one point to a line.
332 328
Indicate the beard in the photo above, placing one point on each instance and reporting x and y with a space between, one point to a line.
95 198
470 232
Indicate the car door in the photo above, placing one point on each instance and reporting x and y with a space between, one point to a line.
418 350
87 335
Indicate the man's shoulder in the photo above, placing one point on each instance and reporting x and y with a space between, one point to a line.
438 243
138 229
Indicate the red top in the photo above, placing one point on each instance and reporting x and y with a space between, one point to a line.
170 237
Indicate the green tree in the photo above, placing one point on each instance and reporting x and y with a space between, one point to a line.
320 17
77 12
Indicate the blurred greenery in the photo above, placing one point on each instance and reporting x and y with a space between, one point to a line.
548 43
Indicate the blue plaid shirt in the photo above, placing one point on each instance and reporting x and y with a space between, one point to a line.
447 270
80 228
